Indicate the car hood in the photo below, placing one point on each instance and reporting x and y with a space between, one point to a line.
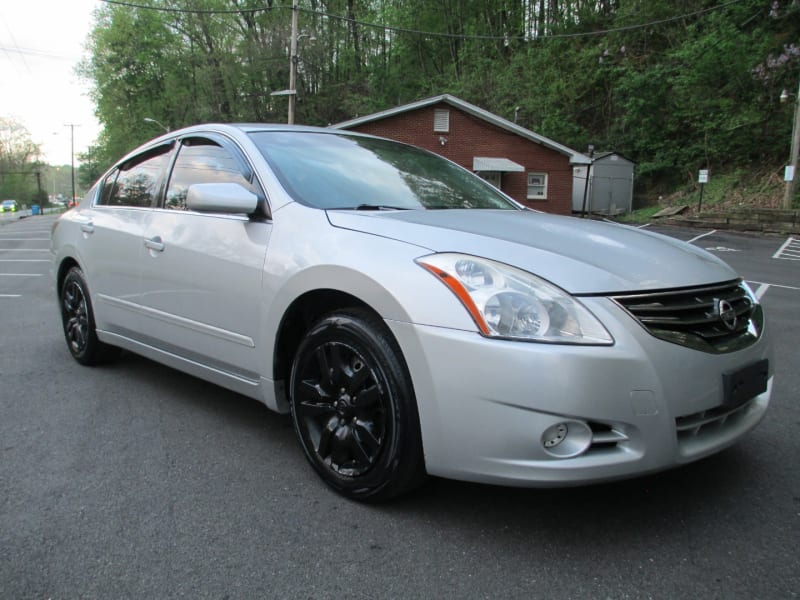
579 255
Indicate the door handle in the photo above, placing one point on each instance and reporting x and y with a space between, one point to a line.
155 244
87 227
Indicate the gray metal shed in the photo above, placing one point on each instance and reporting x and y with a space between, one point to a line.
610 190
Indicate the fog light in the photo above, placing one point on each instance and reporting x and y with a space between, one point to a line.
567 439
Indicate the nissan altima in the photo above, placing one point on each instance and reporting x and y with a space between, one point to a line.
412 319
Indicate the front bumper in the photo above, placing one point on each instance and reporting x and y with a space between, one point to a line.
488 406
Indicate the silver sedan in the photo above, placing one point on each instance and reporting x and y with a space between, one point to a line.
410 317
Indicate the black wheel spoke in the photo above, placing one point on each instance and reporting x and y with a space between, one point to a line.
356 378
336 363
75 333
311 391
314 410
368 397
362 456
326 438
365 437
325 371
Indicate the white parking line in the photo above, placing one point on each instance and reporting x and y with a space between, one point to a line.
790 250
24 250
721 249
702 235
777 285
643 226
10 296
20 274
5 239
24 260
762 289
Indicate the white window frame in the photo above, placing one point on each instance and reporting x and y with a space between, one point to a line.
441 120
537 181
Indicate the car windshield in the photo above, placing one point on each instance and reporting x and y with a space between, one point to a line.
335 171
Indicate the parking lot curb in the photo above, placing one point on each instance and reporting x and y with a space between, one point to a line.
777 221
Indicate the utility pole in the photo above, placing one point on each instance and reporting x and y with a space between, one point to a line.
72 127
791 175
39 187
586 185
293 65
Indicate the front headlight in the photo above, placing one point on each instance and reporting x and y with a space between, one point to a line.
506 302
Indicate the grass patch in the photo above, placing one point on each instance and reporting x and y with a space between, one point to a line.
740 188
641 215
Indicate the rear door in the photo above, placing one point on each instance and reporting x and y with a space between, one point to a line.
111 237
201 272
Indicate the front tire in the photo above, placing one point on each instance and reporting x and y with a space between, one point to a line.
354 410
77 317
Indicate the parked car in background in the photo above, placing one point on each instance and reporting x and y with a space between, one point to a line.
410 317
9 206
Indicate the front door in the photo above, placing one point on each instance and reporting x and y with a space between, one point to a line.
201 272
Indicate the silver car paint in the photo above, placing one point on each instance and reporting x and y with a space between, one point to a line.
483 403
494 399
581 256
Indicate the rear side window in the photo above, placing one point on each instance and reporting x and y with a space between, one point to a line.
137 182
202 160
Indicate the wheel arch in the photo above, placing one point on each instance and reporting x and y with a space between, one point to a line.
312 293
63 268
300 316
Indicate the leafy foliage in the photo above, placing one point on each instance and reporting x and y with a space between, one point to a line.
20 164
674 85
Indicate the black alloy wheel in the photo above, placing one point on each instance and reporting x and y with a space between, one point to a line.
354 410
78 320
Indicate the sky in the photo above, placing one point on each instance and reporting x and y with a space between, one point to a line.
41 42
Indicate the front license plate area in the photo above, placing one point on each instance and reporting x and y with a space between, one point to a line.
745 383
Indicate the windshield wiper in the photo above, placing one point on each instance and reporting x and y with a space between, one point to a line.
380 207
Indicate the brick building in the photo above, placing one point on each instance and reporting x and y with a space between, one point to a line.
531 168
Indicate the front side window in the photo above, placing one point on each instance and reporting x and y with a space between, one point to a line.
136 182
537 186
201 160
338 171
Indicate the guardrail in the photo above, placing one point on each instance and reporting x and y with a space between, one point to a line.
27 212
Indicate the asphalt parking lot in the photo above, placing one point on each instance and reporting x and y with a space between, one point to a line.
135 481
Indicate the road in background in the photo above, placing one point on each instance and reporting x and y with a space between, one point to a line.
132 480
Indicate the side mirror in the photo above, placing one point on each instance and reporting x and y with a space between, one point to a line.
229 198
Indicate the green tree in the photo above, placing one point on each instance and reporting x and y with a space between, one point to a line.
673 84
20 161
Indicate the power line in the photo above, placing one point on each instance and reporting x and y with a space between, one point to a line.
522 38
193 11
34 52
395 29
14 41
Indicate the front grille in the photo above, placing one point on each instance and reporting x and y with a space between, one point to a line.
699 317
710 421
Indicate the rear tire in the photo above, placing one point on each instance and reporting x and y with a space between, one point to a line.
354 410
77 317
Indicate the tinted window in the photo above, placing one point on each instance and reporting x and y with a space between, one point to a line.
329 170
201 161
136 183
